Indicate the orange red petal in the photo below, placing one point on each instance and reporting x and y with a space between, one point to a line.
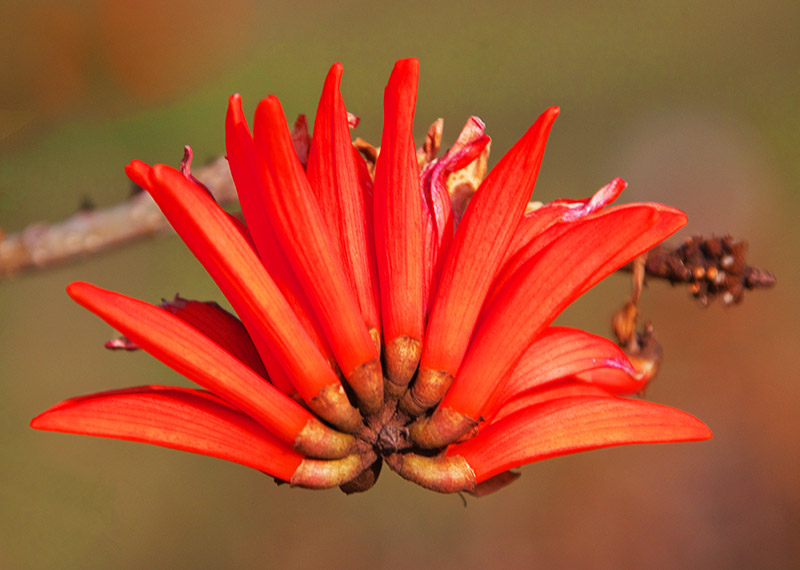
560 352
566 388
179 418
478 249
573 424
234 265
302 233
220 326
398 228
249 181
541 227
592 248
191 353
333 173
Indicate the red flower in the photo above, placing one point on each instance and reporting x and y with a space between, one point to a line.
380 319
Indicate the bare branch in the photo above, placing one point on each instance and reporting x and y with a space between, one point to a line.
89 231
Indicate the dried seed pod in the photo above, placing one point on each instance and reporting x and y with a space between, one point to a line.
710 267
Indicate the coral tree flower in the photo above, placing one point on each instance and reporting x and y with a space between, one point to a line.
380 317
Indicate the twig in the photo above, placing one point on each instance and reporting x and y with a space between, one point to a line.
91 230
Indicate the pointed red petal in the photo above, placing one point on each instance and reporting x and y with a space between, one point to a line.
667 221
333 175
193 228
301 230
398 227
479 246
537 221
220 326
366 184
249 180
541 227
192 354
234 265
543 287
560 352
566 388
178 418
570 425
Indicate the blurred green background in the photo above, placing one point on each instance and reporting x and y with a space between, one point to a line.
694 103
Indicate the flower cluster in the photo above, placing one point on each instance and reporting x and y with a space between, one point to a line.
380 317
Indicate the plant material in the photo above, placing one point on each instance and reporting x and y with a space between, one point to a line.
393 306
711 267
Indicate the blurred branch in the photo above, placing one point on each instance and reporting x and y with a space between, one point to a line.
88 231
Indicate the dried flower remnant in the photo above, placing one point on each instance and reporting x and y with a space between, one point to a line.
639 345
393 307
713 267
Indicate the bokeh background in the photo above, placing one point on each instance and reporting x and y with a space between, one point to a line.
694 103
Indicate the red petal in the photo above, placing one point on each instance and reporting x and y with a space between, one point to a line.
333 174
249 181
398 226
570 425
366 183
238 271
479 246
535 222
667 221
178 418
541 227
566 388
543 287
301 230
560 352
220 326
192 354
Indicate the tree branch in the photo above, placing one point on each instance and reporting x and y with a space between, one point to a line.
88 231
